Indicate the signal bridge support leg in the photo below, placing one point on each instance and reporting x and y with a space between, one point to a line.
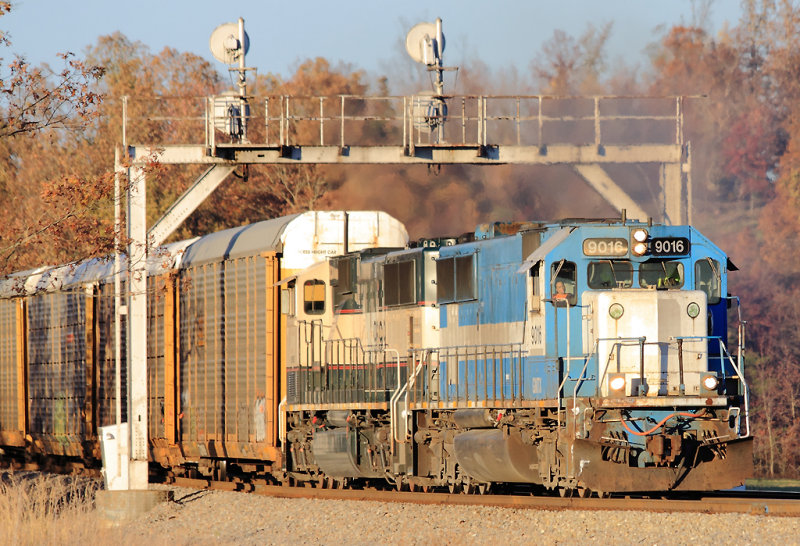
121 505
598 179
137 328
675 191
672 180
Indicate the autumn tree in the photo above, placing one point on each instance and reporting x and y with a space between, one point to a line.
39 104
570 66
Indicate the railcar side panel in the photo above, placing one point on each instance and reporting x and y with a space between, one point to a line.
57 370
106 358
12 373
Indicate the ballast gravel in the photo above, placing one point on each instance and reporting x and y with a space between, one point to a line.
219 517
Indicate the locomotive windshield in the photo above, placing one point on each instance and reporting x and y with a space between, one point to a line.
661 274
610 274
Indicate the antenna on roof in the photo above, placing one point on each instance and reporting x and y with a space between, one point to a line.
229 43
425 44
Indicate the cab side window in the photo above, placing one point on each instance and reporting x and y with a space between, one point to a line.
563 285
314 297
535 279
707 279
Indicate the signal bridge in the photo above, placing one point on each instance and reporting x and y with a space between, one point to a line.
224 132
585 133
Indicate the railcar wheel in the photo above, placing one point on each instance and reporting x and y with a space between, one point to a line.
467 488
453 487
583 493
484 488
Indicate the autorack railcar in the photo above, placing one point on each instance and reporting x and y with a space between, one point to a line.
213 354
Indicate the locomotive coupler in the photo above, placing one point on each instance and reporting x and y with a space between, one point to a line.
664 448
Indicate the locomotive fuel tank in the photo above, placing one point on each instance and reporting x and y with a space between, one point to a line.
497 455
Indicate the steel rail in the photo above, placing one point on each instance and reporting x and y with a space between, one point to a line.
705 503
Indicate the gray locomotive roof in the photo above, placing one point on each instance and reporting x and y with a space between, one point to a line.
49 278
239 241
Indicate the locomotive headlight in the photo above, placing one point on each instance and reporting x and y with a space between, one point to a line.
710 382
693 310
616 310
639 237
616 384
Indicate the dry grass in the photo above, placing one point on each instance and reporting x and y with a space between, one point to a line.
46 509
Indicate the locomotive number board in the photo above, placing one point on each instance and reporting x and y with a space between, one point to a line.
605 247
669 246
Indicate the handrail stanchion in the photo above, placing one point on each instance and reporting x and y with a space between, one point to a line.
642 384
682 384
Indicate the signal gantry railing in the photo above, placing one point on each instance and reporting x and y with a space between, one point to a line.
356 120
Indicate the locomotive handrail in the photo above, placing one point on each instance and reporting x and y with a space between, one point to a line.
566 374
392 418
569 354
483 353
724 353
583 372
587 357
393 428
282 429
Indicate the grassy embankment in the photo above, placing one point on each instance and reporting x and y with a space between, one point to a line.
45 509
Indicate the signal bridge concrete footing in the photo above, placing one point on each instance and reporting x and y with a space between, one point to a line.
119 507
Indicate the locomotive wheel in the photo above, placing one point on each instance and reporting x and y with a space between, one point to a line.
583 493
453 487
467 488
484 488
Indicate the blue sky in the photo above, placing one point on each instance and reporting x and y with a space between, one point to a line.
367 35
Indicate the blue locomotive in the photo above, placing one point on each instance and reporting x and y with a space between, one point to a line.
580 356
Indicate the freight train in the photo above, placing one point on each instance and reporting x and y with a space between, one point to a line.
572 357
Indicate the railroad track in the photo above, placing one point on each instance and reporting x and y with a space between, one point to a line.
726 502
